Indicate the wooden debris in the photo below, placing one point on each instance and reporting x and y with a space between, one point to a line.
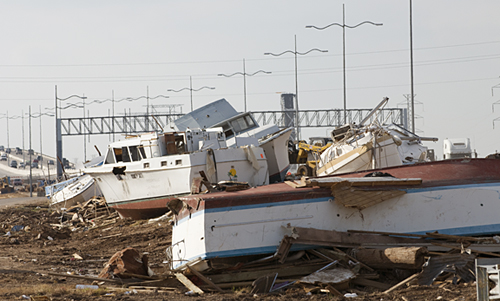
395 287
188 284
204 279
393 258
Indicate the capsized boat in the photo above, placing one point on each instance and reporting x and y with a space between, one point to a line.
371 145
458 197
141 174
73 191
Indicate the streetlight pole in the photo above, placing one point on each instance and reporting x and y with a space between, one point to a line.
411 73
41 151
22 130
344 26
244 81
59 156
29 151
191 90
295 53
8 140
84 136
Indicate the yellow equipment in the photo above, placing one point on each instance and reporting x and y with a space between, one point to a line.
307 154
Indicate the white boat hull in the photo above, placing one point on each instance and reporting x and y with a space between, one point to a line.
140 192
79 191
258 229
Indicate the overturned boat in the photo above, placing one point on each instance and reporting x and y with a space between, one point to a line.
371 145
458 197
73 191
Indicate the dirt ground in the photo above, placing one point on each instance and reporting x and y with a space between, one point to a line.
29 255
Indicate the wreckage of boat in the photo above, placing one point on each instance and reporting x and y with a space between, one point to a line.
71 192
142 173
242 129
458 197
370 145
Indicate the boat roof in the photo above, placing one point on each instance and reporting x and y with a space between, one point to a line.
206 116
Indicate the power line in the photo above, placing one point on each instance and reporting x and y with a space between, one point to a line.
235 60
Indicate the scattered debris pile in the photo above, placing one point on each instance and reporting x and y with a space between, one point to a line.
93 213
342 264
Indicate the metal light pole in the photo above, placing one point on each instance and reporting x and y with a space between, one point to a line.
8 140
411 74
59 156
344 26
84 136
244 80
29 151
295 53
41 151
22 130
191 90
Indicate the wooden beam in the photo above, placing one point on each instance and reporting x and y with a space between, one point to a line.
250 275
204 279
187 283
401 283
459 248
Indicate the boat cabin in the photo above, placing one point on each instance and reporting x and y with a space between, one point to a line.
152 145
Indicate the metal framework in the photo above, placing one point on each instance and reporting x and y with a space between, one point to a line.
134 124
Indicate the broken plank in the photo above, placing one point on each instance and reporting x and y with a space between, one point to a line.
109 236
291 271
336 238
460 248
388 233
458 238
355 260
371 182
395 287
334 291
187 283
204 279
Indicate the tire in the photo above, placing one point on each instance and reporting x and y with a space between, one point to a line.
304 170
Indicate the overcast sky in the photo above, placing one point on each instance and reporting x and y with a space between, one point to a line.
95 48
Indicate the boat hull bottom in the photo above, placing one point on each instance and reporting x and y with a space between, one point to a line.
144 209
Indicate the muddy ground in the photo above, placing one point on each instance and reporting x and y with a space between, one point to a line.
29 255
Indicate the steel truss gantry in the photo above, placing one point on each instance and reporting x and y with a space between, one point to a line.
134 124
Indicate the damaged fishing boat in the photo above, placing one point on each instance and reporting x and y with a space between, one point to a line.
458 197
142 173
371 145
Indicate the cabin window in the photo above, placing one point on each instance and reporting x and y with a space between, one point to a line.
163 163
238 124
125 155
227 130
118 154
178 162
146 165
174 143
109 157
250 123
142 151
134 153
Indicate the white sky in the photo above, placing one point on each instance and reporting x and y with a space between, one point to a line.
92 48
